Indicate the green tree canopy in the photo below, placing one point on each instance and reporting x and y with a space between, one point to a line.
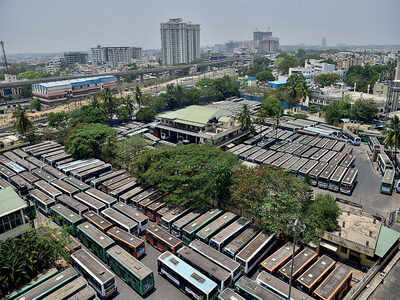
245 118
284 63
297 87
326 79
338 110
392 135
265 76
364 110
89 140
35 104
127 150
271 107
32 75
145 114
367 75
195 175
23 125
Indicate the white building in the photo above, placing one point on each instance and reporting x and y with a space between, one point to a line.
55 64
114 55
180 42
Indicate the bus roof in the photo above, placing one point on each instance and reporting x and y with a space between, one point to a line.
290 162
337 159
66 213
106 177
98 236
230 230
255 289
317 170
272 158
328 171
328 156
299 164
186 271
64 186
215 225
229 294
131 263
119 218
301 260
133 192
251 248
186 219
163 235
338 174
47 188
145 194
348 161
202 220
76 183
67 290
174 213
279 257
103 197
130 212
313 274
90 201
100 221
388 176
331 284
125 236
41 197
309 152
350 176
317 155
72 203
308 166
242 239
203 263
95 267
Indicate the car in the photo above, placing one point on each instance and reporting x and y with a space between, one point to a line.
398 186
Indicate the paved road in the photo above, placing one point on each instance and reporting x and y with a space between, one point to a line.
390 288
366 192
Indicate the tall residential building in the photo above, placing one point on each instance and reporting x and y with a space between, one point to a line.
71 58
114 55
393 101
261 35
180 42
265 41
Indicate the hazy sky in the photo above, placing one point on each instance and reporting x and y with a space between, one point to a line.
56 26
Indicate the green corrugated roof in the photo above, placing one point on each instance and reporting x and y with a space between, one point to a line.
194 114
10 201
386 239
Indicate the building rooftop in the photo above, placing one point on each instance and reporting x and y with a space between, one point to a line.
10 201
357 231
71 81
196 115
387 238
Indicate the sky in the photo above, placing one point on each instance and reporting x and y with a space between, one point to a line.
33 26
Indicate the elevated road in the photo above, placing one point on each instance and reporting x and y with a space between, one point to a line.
22 83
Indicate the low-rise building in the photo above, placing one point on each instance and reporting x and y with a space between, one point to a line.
213 124
71 58
12 219
53 92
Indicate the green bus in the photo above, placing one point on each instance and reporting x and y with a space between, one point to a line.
250 289
387 182
229 294
190 230
135 274
95 240
64 216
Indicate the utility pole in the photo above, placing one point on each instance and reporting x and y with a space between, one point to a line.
4 56
296 226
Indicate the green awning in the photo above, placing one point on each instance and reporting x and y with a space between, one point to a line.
386 239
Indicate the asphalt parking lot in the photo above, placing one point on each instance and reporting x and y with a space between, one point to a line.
366 192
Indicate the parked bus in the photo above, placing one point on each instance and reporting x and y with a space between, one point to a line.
52 160
120 183
384 162
213 271
134 214
252 290
64 216
315 173
374 145
124 188
328 157
221 239
21 184
348 161
338 146
66 188
126 197
278 258
294 169
89 201
105 185
20 153
88 293
28 176
290 162
254 251
54 172
177 226
280 287
162 239
131 243
218 258
81 186
190 230
240 241
6 173
336 178
89 174
387 182
183 276
135 200
309 152
120 220
48 189
35 161
4 183
335 285
151 210
324 177
95 240
273 158
145 203
42 201
314 275
73 204
212 228
229 294
354 139
264 156
283 159
103 197
98 221
133 272
337 159
319 154
301 261
98 181
68 290
50 285
43 175
349 181
172 215
95 271
305 170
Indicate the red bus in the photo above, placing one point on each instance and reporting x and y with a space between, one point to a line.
128 241
162 239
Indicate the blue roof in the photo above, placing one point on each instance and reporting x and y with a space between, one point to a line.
281 81
186 271
320 130
79 81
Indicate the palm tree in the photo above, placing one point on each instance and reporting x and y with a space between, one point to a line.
245 118
138 96
392 138
297 87
22 122
110 103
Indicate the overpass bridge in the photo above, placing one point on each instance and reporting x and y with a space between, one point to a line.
140 72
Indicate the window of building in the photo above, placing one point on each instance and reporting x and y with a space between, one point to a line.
10 221
343 249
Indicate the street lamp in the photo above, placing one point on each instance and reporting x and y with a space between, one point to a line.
296 226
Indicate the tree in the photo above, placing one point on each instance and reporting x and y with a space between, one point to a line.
338 110
326 79
284 63
271 108
110 104
392 135
265 76
89 114
87 140
138 96
22 122
129 104
193 174
245 118
127 150
32 75
297 87
145 114
35 104
367 75
364 110
58 119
